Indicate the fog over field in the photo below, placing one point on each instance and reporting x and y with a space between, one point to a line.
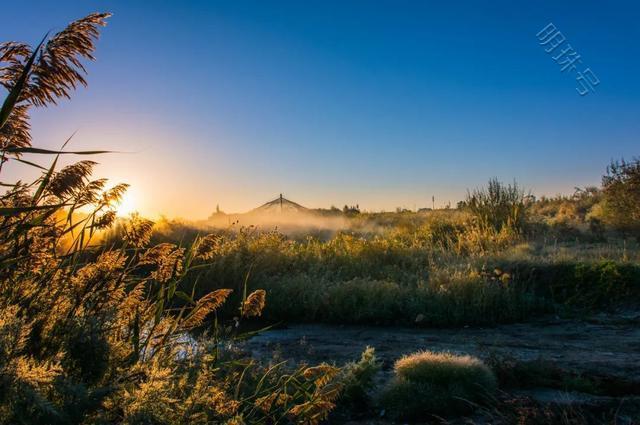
504 306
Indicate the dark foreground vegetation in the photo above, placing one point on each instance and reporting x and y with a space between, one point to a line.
124 321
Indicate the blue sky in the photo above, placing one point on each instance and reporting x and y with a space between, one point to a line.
383 104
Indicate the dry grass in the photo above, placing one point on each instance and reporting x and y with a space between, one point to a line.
428 383
89 334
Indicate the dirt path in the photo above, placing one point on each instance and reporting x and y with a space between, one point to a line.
603 344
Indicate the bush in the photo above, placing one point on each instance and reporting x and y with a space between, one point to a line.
597 229
359 380
498 206
621 187
429 383
565 231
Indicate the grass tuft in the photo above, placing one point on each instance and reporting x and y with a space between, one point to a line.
428 383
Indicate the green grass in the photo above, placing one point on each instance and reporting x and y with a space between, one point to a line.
406 274
363 301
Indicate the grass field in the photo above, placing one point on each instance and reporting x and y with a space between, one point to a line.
419 269
105 319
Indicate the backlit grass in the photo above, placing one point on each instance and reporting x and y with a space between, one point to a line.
428 383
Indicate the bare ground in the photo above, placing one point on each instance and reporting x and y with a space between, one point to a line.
605 346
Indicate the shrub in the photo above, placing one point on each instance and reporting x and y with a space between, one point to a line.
498 206
428 383
565 231
597 229
359 380
621 187
478 240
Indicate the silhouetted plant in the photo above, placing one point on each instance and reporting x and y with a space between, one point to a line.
90 334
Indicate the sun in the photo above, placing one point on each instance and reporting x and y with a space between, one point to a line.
127 204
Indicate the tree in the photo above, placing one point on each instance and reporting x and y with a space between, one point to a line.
621 187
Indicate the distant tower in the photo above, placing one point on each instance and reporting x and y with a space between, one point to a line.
281 202
217 208
433 202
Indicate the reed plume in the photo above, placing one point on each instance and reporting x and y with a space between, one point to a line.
93 333
254 304
41 76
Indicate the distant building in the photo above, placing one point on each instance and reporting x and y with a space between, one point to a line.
280 205
217 214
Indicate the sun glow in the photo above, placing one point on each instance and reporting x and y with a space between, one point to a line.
127 205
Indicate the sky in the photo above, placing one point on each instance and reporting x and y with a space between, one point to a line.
378 103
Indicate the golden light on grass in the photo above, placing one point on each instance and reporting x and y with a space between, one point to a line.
429 382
